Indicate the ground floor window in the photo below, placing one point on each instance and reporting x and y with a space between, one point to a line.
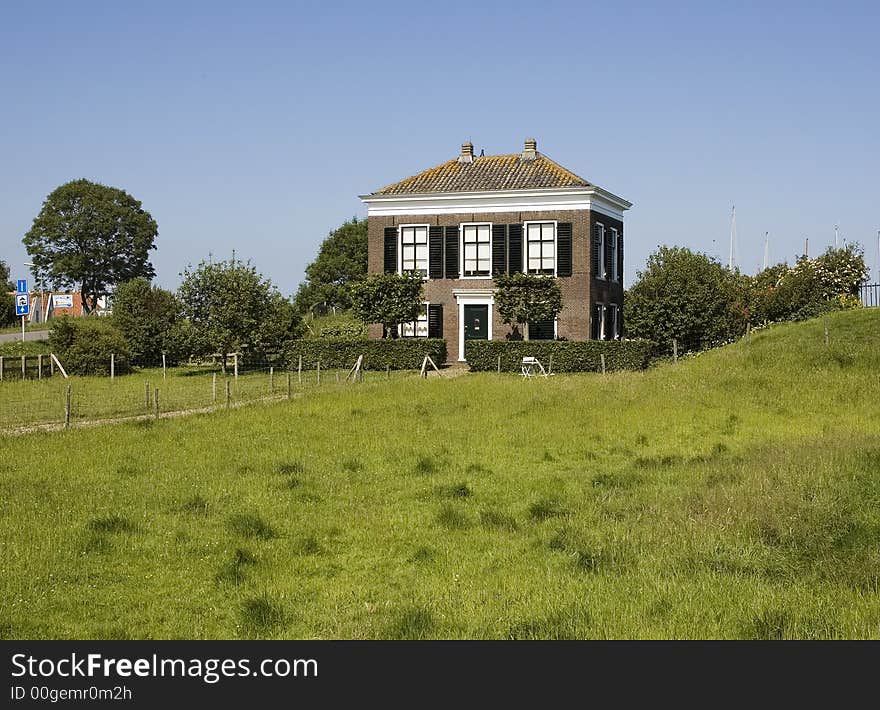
543 330
417 328
597 322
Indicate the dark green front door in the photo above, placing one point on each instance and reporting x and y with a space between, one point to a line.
476 322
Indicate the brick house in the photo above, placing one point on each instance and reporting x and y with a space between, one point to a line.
474 217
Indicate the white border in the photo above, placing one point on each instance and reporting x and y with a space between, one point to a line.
400 228
488 201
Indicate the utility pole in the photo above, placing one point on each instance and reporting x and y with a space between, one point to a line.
731 261
766 250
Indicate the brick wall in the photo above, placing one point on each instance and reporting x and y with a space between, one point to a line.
578 291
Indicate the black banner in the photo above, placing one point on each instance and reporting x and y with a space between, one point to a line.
289 673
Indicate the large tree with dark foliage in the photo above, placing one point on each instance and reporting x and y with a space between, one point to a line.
149 319
92 237
388 299
689 297
341 262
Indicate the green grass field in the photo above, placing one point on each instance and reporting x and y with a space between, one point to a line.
732 495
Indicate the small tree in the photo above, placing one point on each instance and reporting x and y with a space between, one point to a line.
229 307
7 300
85 345
388 299
93 236
149 319
341 261
524 298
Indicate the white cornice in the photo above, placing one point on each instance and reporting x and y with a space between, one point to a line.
489 201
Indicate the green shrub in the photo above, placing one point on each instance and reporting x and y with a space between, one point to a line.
568 356
339 325
399 354
84 346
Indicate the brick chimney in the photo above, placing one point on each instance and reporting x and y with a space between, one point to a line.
530 150
467 153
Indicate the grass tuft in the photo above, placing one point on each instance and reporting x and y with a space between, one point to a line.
546 508
493 518
411 624
456 490
250 525
196 505
291 468
111 524
260 615
425 466
453 518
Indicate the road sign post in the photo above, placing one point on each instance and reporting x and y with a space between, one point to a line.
22 304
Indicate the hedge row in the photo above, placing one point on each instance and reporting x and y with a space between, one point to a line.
568 356
399 354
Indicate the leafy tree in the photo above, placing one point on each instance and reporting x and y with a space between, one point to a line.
388 299
688 296
229 307
521 298
809 288
149 319
85 345
7 300
341 262
93 236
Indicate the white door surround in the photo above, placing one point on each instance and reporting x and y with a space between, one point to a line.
472 297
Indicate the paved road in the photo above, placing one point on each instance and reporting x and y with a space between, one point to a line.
28 335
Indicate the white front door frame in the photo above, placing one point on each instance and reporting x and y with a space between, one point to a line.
472 297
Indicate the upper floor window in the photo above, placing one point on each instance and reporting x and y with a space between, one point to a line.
476 250
414 248
615 260
541 248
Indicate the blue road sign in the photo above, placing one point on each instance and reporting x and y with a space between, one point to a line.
22 286
22 307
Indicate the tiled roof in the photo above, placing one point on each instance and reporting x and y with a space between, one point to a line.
489 172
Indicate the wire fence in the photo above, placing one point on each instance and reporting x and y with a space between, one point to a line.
49 400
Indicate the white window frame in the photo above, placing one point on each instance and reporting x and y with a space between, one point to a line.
615 258
461 249
601 333
601 262
427 248
555 224
414 324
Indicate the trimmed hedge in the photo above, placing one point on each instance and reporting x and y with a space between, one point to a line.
568 356
399 354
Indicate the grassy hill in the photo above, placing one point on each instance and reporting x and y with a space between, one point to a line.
732 495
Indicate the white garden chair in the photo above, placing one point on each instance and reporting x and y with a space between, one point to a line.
530 366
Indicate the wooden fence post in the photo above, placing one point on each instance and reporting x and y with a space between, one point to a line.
51 367
1 368
67 408
163 366
319 372
228 394
235 355
387 372
23 366
825 326
112 366
602 359
299 371
214 388
674 350
499 364
271 380
550 365
288 384
40 367
156 402
147 394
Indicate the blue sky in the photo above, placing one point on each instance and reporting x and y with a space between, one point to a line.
255 126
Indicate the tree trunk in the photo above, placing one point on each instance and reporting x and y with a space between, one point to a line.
525 330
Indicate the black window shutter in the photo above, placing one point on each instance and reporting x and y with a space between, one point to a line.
499 249
451 234
514 248
609 322
435 320
563 249
594 252
542 330
435 252
620 257
608 256
390 250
